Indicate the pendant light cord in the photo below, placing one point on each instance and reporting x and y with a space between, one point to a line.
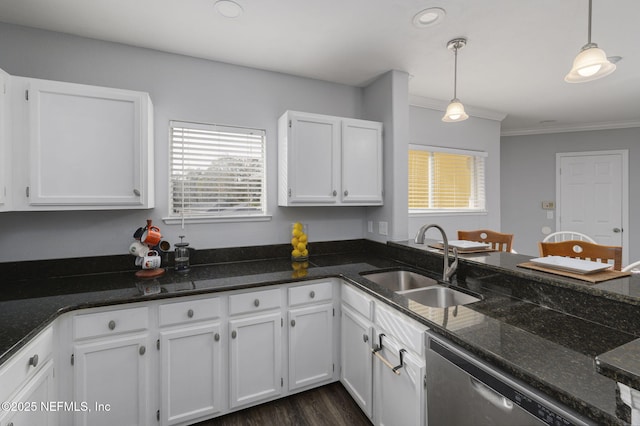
589 27
455 71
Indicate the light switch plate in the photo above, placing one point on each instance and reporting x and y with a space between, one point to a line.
548 205
370 226
382 228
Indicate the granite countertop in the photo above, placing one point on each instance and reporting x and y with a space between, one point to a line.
550 350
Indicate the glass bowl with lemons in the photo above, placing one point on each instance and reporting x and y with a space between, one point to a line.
299 242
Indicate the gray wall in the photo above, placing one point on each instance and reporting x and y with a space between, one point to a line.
181 88
479 134
528 178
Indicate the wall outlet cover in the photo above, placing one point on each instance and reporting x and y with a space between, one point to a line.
383 228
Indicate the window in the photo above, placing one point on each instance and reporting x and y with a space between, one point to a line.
445 180
216 171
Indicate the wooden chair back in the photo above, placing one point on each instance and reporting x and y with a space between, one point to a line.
583 250
498 240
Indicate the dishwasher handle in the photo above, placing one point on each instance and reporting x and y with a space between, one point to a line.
490 395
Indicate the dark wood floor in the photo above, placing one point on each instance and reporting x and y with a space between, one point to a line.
328 405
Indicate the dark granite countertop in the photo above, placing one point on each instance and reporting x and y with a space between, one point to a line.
534 340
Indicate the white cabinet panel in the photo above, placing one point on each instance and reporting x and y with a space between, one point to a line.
356 359
5 149
191 380
326 160
112 371
361 161
310 345
255 360
38 391
81 147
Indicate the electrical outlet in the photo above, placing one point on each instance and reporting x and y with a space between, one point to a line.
370 227
383 228
548 205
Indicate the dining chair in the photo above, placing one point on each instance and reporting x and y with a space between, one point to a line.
555 237
497 240
632 266
583 250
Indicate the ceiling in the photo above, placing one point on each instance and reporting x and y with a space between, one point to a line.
517 54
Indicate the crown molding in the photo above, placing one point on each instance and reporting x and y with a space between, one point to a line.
439 105
581 127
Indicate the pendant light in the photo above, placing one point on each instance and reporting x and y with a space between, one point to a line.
455 109
591 63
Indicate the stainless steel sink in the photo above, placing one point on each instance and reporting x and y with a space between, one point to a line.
440 297
400 280
420 288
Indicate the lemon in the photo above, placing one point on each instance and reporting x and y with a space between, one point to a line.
297 226
296 253
295 241
302 238
301 246
305 253
296 233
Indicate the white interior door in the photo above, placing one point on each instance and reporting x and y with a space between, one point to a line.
592 195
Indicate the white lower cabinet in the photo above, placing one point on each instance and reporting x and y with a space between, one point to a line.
32 405
311 347
255 359
399 398
111 377
356 360
111 363
191 348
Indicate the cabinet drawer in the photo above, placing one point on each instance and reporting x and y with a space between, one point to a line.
358 301
310 293
111 322
406 331
25 363
192 310
254 301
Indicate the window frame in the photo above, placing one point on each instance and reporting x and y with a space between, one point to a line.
413 212
171 218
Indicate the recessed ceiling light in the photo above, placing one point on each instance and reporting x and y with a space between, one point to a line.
228 8
429 17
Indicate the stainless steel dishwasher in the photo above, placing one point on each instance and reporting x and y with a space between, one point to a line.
462 390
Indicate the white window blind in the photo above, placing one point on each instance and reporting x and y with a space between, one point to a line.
445 179
216 171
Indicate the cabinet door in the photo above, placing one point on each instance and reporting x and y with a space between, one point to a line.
356 359
88 146
191 373
255 358
35 401
361 162
310 345
5 164
111 377
398 399
312 159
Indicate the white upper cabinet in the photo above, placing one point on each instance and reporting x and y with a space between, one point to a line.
325 160
5 152
84 147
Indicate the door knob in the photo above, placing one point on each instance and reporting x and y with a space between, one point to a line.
617 230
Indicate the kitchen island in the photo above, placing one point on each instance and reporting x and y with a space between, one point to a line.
544 330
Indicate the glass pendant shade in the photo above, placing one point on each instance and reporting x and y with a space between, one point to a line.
455 112
590 64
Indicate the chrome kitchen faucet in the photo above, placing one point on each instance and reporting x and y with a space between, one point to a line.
447 271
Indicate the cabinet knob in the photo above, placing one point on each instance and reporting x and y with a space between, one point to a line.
335 192
33 360
365 337
142 350
234 334
256 303
312 294
136 192
112 325
346 193
293 323
216 337
190 313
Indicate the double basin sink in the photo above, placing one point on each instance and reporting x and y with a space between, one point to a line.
419 288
